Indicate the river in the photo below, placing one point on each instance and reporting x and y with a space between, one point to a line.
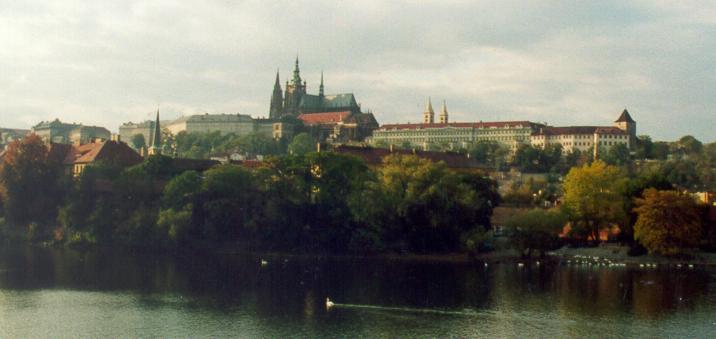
61 293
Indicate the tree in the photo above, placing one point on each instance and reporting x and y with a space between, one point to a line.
592 198
532 159
617 155
33 184
138 141
536 230
488 152
420 206
668 222
644 147
301 144
689 145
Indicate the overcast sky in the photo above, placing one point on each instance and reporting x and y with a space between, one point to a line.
560 62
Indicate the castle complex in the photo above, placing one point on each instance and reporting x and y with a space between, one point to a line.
334 118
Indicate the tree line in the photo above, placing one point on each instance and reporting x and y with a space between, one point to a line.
648 210
314 202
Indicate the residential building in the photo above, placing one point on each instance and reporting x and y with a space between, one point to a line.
76 158
63 133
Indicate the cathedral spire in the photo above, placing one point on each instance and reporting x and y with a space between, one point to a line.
296 74
276 107
429 114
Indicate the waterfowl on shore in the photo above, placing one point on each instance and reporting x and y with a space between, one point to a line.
519 264
329 303
264 262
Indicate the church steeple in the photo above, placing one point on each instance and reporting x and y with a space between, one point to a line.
444 114
276 108
320 88
156 147
429 114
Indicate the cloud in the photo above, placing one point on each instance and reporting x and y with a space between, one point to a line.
561 62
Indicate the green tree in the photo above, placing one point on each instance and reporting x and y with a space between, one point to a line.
536 230
668 222
138 141
489 152
301 144
593 199
420 206
688 145
617 155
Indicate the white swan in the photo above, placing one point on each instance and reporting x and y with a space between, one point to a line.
329 303
520 264
264 262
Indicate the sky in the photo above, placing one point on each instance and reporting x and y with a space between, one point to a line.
561 62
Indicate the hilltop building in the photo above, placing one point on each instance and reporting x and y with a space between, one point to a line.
332 117
63 133
593 139
511 134
295 100
430 134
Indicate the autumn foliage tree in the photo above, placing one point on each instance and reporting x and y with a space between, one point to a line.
593 199
668 222
32 184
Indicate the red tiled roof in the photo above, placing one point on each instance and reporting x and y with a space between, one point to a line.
578 130
496 124
323 118
109 151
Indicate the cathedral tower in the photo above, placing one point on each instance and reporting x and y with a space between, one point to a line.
444 114
429 114
294 91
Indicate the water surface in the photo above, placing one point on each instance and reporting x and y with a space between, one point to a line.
61 293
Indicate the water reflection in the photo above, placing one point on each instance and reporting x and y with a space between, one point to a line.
221 294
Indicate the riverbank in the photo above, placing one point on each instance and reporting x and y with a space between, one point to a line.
618 254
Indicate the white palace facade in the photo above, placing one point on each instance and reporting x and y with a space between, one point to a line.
511 134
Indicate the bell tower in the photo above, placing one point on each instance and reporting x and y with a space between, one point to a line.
429 113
